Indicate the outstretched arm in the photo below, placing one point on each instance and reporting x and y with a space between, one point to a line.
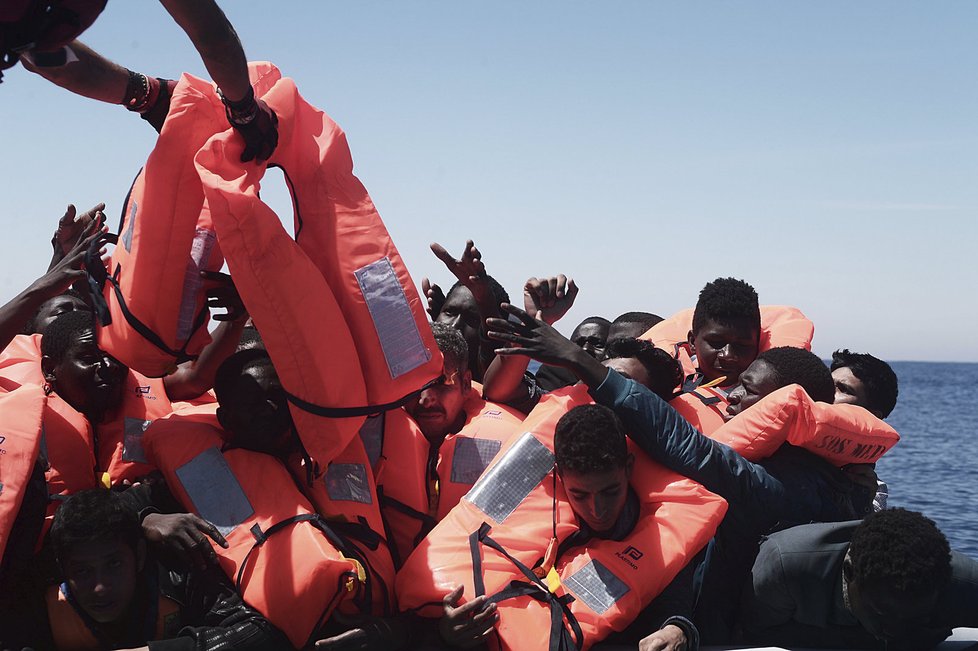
547 299
65 269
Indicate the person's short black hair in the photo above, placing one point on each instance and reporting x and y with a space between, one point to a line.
499 295
31 326
452 345
599 320
588 439
250 338
645 319
63 331
726 301
665 372
94 515
798 366
901 550
234 366
875 374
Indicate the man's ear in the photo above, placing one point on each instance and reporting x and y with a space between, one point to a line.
48 369
467 380
690 339
222 418
848 572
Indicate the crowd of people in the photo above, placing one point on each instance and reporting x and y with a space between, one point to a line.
649 482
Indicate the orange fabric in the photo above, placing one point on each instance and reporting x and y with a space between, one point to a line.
296 578
402 473
20 362
304 295
840 434
20 443
677 518
703 408
70 633
781 325
165 240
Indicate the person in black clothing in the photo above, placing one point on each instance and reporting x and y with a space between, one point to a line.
115 594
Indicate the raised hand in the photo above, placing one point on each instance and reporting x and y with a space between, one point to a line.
469 269
72 227
223 295
184 534
548 299
435 297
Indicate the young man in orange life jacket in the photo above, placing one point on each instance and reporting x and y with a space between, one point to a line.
434 450
115 593
595 467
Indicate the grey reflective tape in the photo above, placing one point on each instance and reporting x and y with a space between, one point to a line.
348 482
372 435
596 586
396 329
132 441
1 488
200 254
127 236
471 458
214 490
521 469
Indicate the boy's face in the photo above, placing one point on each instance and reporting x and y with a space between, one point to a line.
598 497
102 577
724 350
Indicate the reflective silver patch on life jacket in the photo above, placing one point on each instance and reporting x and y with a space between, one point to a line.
348 482
471 458
200 254
596 586
524 466
132 441
214 490
372 436
130 227
396 329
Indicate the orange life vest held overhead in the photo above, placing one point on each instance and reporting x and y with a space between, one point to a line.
340 281
152 307
284 558
493 541
840 434
416 494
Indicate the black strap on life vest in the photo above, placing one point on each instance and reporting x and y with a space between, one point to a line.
355 412
561 617
97 279
426 522
709 401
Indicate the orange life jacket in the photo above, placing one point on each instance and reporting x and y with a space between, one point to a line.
781 325
285 559
152 307
840 434
71 632
341 281
704 408
412 499
20 362
20 443
500 540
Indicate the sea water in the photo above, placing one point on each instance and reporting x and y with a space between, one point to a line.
934 468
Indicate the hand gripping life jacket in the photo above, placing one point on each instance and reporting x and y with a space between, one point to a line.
72 630
781 325
341 281
151 306
705 408
285 560
840 434
20 444
414 496
501 540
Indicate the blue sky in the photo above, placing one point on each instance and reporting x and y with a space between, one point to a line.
825 152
